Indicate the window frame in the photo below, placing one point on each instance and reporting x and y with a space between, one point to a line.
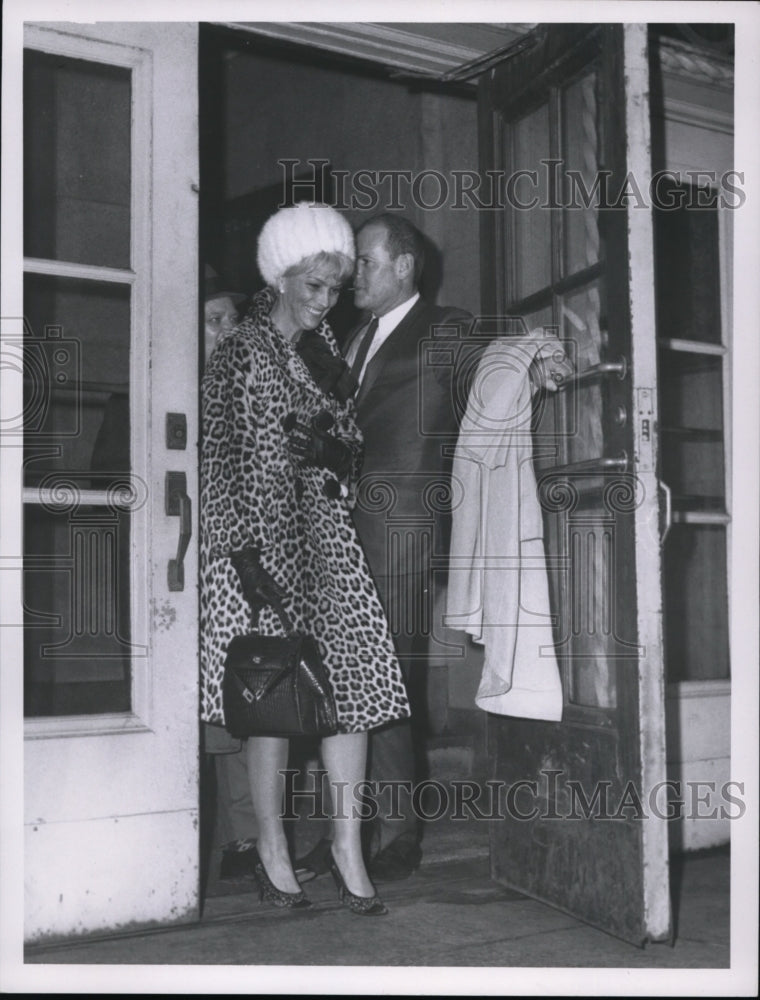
698 97
138 278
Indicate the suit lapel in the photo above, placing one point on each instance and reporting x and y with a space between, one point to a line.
394 345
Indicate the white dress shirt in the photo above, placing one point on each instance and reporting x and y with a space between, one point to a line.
385 326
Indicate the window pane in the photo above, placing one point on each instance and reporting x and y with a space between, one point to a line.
546 422
696 603
582 332
688 266
77 554
76 374
531 225
691 415
581 171
77 120
76 610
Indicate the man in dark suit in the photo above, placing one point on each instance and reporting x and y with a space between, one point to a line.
405 356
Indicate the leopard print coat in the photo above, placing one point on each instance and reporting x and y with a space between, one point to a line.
253 493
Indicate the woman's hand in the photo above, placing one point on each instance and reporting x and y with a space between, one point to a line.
259 587
312 444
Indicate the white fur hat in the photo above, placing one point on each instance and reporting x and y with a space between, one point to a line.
301 231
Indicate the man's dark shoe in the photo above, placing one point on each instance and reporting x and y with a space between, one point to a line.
240 865
395 862
315 863
237 864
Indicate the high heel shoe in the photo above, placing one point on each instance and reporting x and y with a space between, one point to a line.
268 891
365 906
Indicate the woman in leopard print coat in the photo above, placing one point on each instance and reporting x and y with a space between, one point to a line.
260 498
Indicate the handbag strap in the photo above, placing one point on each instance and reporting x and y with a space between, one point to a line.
279 608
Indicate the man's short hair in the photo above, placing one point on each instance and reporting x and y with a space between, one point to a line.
400 237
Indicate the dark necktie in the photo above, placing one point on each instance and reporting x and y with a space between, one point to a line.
361 354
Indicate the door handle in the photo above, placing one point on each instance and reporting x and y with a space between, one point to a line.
668 519
617 463
178 504
619 368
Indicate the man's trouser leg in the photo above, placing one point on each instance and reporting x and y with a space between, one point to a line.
392 756
237 820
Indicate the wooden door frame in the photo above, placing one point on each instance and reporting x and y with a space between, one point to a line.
622 54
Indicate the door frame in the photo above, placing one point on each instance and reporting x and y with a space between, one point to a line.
117 794
647 514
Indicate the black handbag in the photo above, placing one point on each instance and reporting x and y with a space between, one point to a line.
277 686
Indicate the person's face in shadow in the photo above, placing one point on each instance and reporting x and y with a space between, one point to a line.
220 316
380 282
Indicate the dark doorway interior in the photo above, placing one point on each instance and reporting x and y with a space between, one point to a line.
283 123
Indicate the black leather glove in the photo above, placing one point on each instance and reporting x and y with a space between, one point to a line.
329 371
259 587
312 444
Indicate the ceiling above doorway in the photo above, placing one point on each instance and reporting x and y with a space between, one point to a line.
421 48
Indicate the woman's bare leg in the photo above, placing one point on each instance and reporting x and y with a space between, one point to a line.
345 759
267 756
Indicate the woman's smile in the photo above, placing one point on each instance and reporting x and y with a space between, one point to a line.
306 298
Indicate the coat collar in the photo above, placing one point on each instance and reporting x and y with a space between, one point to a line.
282 351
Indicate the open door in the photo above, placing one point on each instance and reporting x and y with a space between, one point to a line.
106 620
565 127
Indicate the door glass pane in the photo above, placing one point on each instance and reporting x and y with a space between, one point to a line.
581 170
696 603
581 318
531 224
76 160
691 415
540 320
546 424
77 553
76 609
77 470
76 379
688 265
594 533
